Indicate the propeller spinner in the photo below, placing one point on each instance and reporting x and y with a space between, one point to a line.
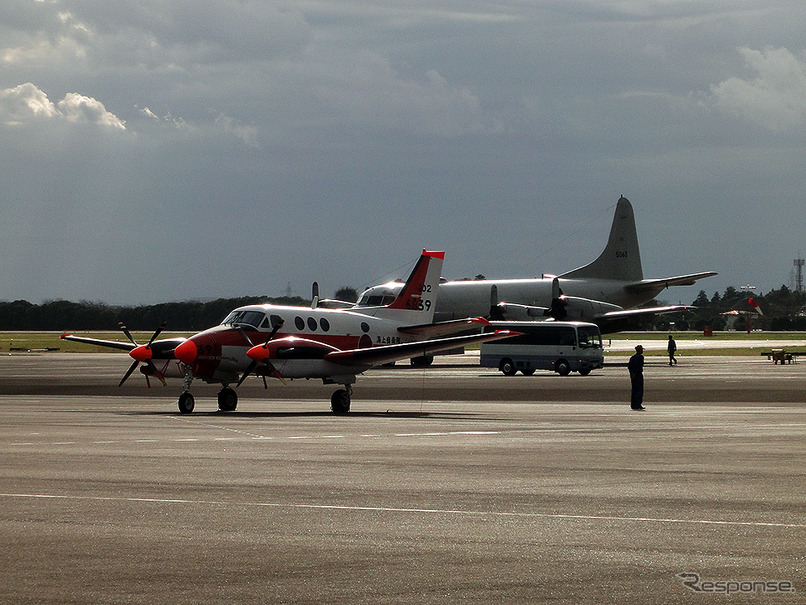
142 354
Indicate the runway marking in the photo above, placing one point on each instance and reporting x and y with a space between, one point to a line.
430 511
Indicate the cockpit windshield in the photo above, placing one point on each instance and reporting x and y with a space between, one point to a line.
244 317
376 297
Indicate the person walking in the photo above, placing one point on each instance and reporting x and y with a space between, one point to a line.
671 348
636 368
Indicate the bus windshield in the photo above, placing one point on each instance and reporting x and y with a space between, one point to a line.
589 337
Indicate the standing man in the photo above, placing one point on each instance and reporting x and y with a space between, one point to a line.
636 368
671 348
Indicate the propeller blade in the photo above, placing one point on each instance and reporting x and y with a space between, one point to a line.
250 368
496 309
157 333
142 353
243 333
128 334
558 302
128 372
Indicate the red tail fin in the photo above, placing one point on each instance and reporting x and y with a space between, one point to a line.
419 291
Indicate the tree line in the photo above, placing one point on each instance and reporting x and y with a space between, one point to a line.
783 310
64 315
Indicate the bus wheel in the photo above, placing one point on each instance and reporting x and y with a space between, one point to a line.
508 367
584 371
562 368
528 371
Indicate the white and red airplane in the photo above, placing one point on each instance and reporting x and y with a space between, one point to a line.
288 342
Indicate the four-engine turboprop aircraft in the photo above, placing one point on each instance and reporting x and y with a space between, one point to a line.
300 342
604 291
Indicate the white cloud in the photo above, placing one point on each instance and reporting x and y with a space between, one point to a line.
28 104
78 108
24 103
775 98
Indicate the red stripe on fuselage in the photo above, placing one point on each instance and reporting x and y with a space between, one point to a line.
211 343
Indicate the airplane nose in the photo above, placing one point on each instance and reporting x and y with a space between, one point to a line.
142 353
187 352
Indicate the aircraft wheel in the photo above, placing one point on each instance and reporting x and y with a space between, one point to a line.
186 403
508 367
227 400
340 402
422 362
562 367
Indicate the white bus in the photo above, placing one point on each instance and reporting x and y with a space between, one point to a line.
562 346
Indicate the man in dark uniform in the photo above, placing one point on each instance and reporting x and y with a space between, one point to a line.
671 348
636 368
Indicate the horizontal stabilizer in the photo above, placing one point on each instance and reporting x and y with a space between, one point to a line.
660 284
626 313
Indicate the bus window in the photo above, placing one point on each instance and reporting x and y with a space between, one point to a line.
589 337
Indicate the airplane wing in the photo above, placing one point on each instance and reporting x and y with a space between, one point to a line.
113 344
680 280
443 328
625 313
385 354
161 349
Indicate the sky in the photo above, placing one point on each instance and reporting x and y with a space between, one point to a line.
169 150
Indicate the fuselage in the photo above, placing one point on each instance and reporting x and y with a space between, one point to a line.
221 352
468 298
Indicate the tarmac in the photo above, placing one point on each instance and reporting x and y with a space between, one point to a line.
452 483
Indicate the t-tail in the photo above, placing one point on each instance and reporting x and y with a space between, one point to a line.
621 260
417 300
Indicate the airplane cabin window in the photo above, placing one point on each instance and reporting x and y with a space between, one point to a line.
325 324
299 322
312 324
364 326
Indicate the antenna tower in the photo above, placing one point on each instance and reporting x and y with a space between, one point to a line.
799 274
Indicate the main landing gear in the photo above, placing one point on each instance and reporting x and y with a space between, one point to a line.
227 401
340 400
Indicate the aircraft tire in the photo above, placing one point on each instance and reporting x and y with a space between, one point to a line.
507 367
340 402
562 367
227 400
186 403
422 361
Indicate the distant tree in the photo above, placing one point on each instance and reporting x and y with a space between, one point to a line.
347 294
701 300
